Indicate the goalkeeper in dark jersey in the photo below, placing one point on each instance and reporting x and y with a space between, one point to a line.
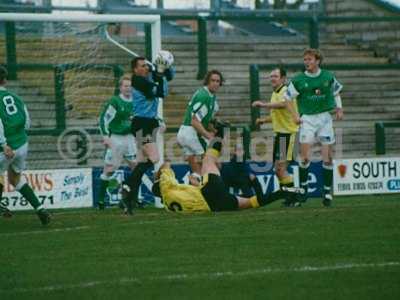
115 127
14 121
148 87
211 195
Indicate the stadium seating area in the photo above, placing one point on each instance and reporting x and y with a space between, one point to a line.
368 96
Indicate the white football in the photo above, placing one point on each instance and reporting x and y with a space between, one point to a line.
165 57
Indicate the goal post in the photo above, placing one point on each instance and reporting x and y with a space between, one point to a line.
80 40
153 20
83 41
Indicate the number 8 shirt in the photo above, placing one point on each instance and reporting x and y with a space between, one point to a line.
14 120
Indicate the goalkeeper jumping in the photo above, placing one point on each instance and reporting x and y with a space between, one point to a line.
211 195
148 86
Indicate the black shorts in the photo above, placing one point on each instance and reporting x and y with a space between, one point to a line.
284 146
217 195
144 129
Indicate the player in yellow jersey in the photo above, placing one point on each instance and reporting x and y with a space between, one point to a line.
284 128
211 195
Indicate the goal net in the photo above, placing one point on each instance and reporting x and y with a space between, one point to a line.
67 66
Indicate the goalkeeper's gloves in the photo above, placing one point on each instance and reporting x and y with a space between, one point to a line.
161 65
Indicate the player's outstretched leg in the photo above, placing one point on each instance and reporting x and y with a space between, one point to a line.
265 199
4 211
132 184
26 191
287 182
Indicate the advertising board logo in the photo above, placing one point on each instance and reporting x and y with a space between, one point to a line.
394 185
342 169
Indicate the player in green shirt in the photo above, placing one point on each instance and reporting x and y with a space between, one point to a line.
318 94
115 126
196 130
14 121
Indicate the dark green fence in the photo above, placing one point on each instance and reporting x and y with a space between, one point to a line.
380 137
255 69
59 71
311 23
59 89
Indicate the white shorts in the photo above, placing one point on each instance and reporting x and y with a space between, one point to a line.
17 163
123 148
317 127
188 139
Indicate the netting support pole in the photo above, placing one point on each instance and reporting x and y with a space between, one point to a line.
60 99
11 50
314 32
254 94
148 41
118 73
202 47
246 141
380 140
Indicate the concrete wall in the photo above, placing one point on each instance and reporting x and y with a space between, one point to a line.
382 37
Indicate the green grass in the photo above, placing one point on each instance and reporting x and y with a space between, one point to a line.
349 251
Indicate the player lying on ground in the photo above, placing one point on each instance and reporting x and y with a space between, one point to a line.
14 121
211 195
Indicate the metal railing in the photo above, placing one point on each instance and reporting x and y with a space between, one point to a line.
254 69
311 23
380 137
60 107
59 71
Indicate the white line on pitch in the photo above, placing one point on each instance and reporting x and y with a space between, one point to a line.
185 276
45 230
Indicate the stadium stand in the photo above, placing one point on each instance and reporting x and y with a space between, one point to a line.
369 95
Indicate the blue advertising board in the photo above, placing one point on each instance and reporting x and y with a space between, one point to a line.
263 171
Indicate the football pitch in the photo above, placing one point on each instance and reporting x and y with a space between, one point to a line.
348 251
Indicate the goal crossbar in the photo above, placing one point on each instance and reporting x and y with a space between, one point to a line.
153 20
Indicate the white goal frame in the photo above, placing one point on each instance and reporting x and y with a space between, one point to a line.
153 20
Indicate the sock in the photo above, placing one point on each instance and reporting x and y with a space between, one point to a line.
327 174
213 152
197 176
104 180
2 207
303 171
135 179
26 191
264 199
286 181
254 202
